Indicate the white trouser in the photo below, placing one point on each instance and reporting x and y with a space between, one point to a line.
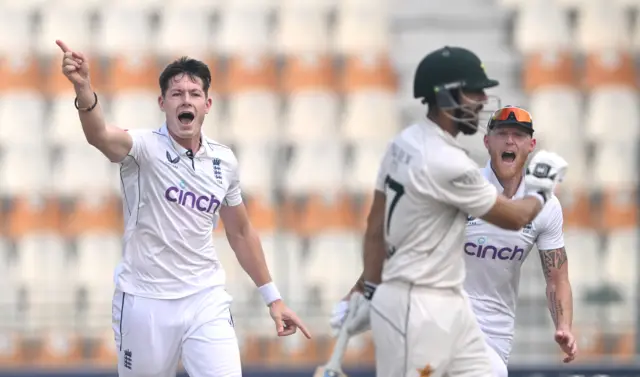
417 328
151 335
496 348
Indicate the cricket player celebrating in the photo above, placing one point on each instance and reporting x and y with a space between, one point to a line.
414 269
170 300
494 256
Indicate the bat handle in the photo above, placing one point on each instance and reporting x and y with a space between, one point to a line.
335 361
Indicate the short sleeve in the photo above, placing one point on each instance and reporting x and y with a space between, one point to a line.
139 146
234 194
551 236
460 184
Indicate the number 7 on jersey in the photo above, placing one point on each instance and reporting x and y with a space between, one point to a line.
398 190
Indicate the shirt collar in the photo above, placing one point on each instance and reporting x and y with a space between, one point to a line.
205 148
490 175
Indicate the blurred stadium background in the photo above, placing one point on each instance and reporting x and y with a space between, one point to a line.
307 92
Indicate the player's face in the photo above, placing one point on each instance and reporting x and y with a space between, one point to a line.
509 148
185 105
472 104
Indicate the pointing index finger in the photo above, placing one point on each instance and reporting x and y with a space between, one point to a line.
63 46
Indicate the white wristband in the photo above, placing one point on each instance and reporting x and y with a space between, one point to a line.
269 293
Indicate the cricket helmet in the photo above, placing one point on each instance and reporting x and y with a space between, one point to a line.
444 74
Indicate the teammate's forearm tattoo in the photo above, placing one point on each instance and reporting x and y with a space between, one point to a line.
550 259
559 296
555 306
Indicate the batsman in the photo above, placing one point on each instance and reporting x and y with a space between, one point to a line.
426 188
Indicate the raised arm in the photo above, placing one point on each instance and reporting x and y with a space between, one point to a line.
113 142
513 214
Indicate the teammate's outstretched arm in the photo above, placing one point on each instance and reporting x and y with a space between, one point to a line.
113 142
245 242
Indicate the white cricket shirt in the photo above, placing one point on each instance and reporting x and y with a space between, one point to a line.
430 186
494 257
171 207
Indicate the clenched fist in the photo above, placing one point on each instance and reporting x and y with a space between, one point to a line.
74 66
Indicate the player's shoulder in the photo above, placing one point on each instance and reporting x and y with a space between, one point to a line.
450 163
220 150
552 208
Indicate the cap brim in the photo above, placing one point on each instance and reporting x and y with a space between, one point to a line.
486 84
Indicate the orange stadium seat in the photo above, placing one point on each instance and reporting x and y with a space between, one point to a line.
20 74
316 214
132 73
618 209
626 347
305 352
253 352
366 72
308 72
104 215
248 73
548 68
56 83
29 215
58 350
609 68
261 212
577 208
12 353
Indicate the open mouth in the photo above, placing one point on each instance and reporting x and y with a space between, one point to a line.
186 117
508 156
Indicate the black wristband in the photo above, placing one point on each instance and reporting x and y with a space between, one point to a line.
369 290
95 103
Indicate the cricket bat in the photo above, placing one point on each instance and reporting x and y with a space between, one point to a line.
333 368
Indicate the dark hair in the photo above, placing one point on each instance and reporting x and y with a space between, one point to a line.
185 65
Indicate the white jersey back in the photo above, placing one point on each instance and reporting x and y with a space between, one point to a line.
430 186
171 205
494 257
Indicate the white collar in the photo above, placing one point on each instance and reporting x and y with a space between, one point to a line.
490 175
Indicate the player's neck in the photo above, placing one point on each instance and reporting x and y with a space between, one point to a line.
509 184
192 144
444 123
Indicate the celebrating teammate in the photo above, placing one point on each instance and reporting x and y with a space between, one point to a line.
427 185
494 256
170 299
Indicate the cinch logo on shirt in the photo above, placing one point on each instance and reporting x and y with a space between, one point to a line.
480 250
186 198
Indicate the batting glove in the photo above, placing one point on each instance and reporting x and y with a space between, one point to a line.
544 172
359 323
